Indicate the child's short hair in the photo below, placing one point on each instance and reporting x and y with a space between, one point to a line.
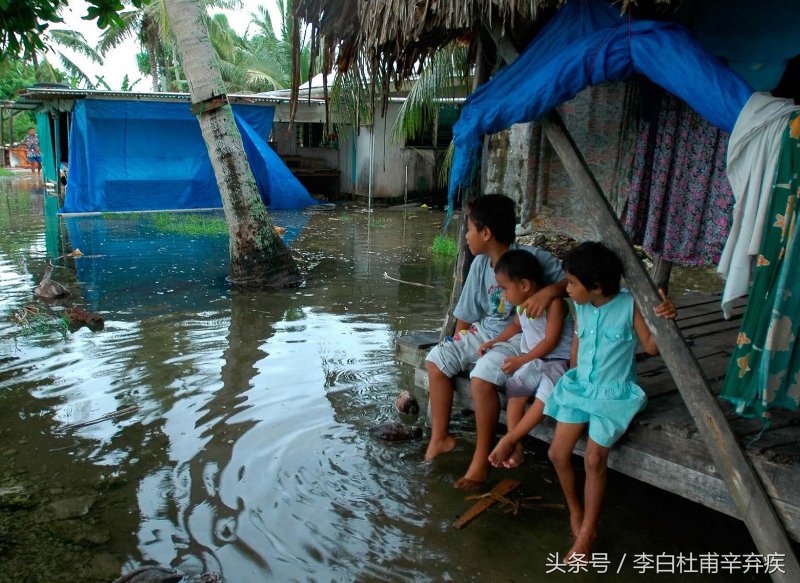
595 266
495 211
518 264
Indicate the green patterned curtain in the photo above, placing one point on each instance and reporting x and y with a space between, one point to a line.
764 370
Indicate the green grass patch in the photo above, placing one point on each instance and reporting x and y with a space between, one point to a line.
6 172
189 224
34 321
378 223
444 246
179 223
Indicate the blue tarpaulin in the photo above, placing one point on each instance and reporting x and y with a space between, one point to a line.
146 155
586 43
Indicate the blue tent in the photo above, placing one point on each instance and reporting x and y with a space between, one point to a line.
586 43
147 155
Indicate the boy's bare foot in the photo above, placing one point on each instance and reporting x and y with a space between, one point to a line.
575 523
466 483
477 472
439 446
581 549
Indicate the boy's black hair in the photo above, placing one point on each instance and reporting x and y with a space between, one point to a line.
495 212
518 264
596 267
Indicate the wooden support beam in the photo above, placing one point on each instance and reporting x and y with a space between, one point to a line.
662 268
752 502
747 491
464 258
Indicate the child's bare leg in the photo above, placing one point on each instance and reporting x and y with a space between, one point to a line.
440 403
508 452
560 453
487 409
596 464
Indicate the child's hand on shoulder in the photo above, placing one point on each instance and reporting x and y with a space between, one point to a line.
666 309
536 305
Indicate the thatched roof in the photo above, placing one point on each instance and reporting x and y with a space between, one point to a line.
392 36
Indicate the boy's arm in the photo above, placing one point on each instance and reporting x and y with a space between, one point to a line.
541 300
507 334
461 325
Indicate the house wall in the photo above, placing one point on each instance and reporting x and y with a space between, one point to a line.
522 164
395 168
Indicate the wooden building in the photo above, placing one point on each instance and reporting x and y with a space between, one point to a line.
688 441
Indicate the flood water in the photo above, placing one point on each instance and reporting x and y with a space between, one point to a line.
248 453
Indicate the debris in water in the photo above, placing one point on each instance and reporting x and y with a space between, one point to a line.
406 403
151 575
393 431
79 317
49 289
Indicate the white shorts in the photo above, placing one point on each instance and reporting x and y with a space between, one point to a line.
453 356
536 378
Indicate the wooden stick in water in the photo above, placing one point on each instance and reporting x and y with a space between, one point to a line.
486 501
106 417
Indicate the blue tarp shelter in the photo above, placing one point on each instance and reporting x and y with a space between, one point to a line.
587 43
130 155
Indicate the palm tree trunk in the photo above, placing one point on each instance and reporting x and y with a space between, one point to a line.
258 255
151 39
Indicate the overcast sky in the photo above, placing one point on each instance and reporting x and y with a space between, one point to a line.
122 60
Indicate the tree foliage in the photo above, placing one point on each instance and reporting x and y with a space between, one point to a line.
23 22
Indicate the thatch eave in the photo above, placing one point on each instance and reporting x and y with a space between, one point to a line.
392 36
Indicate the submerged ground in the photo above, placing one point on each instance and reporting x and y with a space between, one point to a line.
245 450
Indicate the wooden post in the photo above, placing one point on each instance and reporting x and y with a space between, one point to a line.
747 491
752 502
662 268
464 258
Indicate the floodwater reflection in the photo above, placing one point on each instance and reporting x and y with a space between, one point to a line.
249 454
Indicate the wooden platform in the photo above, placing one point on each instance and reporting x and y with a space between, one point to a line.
663 447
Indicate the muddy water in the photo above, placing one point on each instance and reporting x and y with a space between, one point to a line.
248 453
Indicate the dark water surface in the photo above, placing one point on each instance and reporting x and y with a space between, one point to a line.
249 454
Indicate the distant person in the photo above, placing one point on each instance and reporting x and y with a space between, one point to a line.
31 143
601 390
481 315
544 352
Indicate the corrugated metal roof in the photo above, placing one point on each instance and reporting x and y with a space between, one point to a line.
36 95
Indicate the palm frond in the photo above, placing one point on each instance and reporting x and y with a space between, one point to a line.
114 35
75 71
73 40
440 76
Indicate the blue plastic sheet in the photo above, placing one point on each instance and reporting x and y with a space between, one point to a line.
586 43
144 155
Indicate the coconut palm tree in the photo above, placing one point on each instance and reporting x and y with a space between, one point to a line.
258 255
55 42
247 65
262 59
151 24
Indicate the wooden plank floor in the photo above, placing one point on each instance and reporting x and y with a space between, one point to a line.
663 447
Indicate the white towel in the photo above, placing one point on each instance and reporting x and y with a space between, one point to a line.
753 151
